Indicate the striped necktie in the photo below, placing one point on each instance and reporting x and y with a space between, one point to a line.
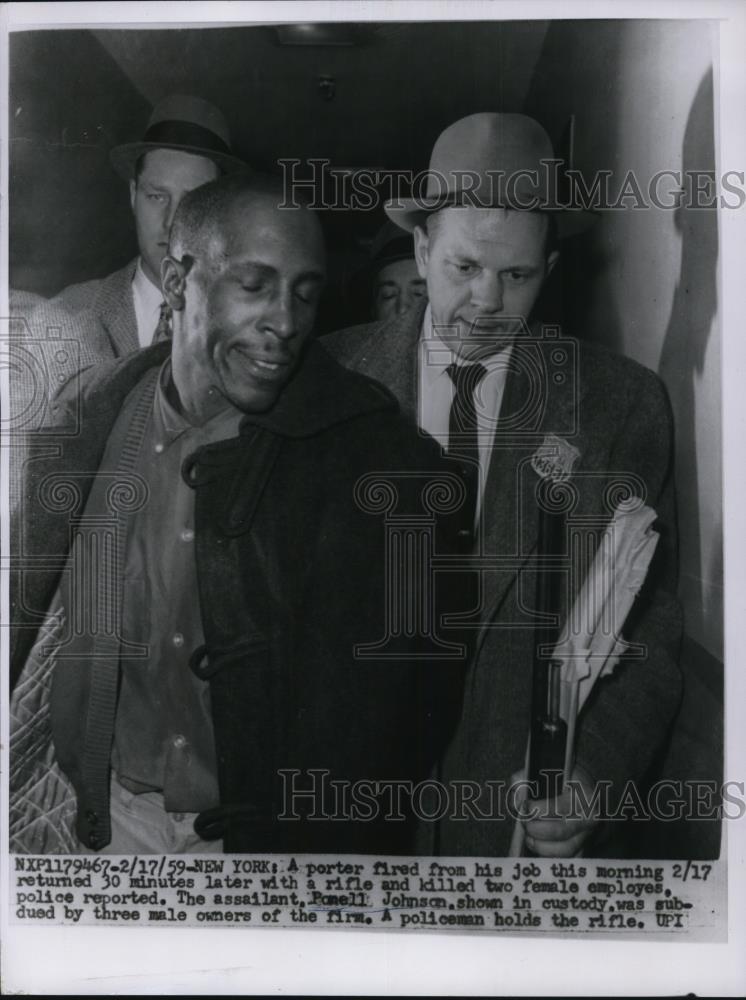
163 329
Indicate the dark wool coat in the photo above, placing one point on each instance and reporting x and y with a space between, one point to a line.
616 414
292 568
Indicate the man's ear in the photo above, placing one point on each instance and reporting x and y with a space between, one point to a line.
421 250
173 280
133 192
551 261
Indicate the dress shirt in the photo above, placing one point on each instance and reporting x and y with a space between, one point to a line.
436 391
147 299
163 738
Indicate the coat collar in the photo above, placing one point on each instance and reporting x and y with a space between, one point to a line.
543 395
388 352
321 394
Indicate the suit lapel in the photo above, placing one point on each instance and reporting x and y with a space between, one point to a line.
541 396
116 309
535 403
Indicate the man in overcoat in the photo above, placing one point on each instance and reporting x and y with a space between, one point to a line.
203 653
530 412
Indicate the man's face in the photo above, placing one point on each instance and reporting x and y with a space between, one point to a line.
398 287
484 269
249 307
166 176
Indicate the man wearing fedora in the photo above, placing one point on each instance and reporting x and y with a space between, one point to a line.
526 409
396 283
186 144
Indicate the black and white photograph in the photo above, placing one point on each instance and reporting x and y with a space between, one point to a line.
370 485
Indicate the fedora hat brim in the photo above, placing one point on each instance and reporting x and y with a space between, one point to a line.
123 158
410 212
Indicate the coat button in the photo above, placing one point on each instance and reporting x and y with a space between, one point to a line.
93 840
91 817
199 663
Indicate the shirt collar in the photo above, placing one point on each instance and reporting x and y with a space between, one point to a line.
143 288
438 355
169 424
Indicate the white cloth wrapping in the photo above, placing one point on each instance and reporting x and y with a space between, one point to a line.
590 645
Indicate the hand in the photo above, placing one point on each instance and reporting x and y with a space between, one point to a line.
558 829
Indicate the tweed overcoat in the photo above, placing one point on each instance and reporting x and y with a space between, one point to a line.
613 416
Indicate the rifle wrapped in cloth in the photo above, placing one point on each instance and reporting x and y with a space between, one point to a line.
589 645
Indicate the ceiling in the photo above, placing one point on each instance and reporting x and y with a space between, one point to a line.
76 93
394 92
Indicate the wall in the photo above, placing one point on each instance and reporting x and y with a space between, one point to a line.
70 217
645 281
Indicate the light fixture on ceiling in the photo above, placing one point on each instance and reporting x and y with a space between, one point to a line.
318 34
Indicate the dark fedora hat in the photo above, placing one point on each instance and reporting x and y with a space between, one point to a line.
491 160
185 123
389 245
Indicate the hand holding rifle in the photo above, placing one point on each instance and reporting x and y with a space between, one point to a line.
554 827
589 648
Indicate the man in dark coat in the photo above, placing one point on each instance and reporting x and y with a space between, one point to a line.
547 412
200 597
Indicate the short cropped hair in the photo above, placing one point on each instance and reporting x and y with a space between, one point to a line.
433 221
203 213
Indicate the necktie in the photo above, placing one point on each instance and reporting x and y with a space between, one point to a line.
463 439
163 329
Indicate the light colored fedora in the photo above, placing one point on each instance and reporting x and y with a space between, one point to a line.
491 160
186 123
